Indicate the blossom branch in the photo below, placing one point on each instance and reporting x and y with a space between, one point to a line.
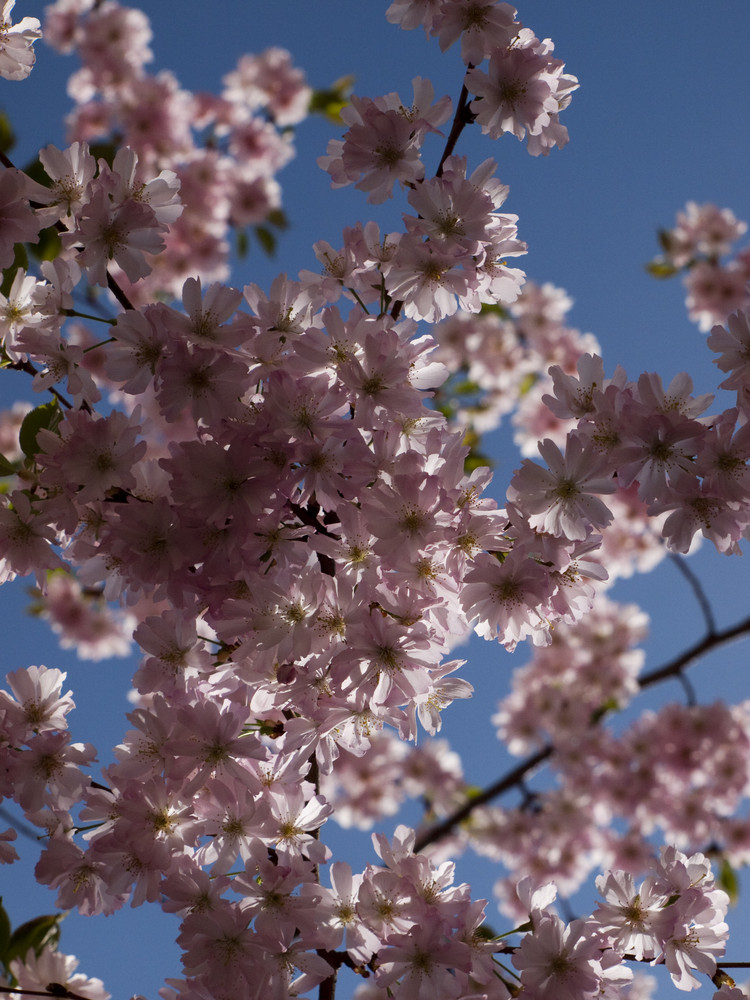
505 783
516 777
695 652
464 116
113 286
26 366
697 589
53 990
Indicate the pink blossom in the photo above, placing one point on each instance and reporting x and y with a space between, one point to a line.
482 25
383 141
16 40
270 80
409 14
424 961
559 961
703 229
18 223
507 598
36 972
116 233
8 853
627 915
732 343
715 291
71 172
25 540
563 500
515 94
92 455
695 507
37 700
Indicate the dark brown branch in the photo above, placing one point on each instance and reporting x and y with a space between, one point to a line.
697 588
505 783
327 989
28 367
695 652
464 116
118 293
515 777
20 826
53 990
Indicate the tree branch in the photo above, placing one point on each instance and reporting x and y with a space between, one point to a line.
505 783
516 777
464 116
58 990
695 652
697 588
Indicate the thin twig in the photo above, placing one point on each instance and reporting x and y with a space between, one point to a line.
21 826
463 117
695 652
505 783
58 990
697 588
28 367
515 778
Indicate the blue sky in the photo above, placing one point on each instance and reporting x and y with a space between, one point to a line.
661 117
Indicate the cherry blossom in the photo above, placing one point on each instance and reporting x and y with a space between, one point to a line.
16 41
270 492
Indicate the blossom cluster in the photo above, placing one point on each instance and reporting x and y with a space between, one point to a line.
225 150
675 916
690 467
281 512
702 236
16 43
524 88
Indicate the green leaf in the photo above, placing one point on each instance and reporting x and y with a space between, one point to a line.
493 309
36 172
7 469
266 239
667 241
660 268
486 933
277 217
446 409
20 260
105 151
4 933
49 244
34 934
728 881
610 705
243 243
44 417
331 101
466 388
476 460
7 135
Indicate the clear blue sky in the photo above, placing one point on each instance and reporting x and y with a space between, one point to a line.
661 117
